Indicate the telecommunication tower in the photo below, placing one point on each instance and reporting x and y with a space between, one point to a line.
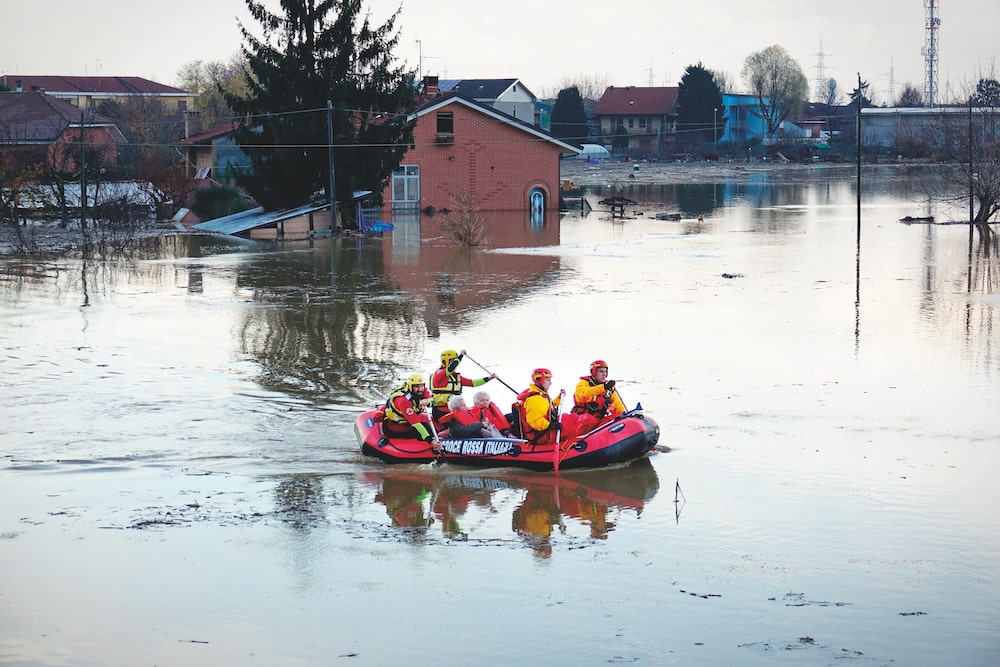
932 23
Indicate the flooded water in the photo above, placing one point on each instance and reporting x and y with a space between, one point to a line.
180 482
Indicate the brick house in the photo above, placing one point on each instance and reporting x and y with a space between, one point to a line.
464 147
647 115
55 128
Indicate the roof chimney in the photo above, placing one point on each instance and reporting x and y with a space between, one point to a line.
431 86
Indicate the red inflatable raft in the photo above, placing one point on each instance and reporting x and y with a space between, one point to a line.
627 437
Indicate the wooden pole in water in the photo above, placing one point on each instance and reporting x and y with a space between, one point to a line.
333 190
83 173
860 97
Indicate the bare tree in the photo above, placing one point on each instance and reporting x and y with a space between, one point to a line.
149 156
591 86
116 220
21 165
210 80
724 80
969 146
910 97
777 81
988 93
465 225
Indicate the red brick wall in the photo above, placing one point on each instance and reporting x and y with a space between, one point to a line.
496 162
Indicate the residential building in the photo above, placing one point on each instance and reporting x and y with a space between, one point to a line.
743 121
209 155
87 92
646 116
463 147
57 129
507 95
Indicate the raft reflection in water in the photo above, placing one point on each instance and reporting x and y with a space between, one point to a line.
469 505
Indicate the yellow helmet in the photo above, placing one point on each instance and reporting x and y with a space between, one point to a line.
447 357
413 381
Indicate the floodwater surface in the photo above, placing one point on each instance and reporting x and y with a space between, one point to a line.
180 482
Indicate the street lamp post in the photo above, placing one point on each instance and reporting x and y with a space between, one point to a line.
715 124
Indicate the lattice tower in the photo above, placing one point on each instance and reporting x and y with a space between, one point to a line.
931 24
821 81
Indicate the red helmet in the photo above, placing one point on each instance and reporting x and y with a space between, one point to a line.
540 374
594 365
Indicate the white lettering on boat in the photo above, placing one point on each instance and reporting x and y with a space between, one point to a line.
477 447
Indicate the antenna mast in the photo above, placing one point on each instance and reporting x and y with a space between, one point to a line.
932 23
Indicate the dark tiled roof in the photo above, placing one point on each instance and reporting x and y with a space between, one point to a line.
210 134
109 85
36 117
636 101
481 89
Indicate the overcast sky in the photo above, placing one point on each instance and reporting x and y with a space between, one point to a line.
541 42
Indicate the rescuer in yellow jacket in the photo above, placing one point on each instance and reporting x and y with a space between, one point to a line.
538 414
595 400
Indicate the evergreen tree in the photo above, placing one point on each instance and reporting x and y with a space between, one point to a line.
699 104
314 52
862 90
569 119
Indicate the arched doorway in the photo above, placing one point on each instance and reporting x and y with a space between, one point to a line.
537 200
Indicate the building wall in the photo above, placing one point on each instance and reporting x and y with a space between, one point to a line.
65 153
651 140
517 103
495 162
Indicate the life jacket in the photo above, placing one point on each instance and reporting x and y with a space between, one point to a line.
462 424
440 395
463 417
391 412
528 433
491 415
597 406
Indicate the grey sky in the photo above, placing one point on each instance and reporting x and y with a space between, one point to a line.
543 43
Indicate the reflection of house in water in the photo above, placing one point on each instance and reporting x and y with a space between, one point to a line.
457 280
334 304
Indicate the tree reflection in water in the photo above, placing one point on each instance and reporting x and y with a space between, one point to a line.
351 312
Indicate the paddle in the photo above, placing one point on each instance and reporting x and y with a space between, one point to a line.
555 452
491 373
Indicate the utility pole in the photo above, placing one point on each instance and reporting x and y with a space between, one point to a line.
333 191
83 173
861 97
